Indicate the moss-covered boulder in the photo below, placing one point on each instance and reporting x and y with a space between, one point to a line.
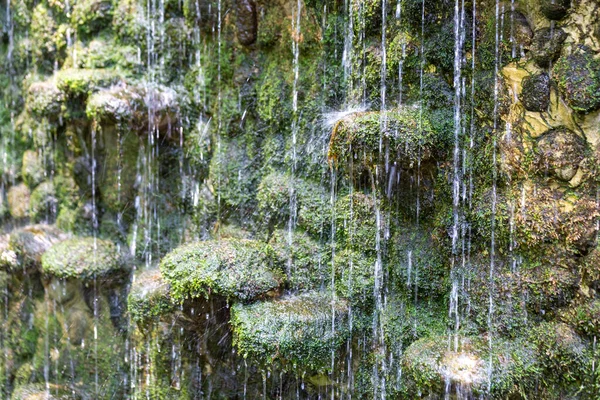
31 242
535 94
546 46
298 332
406 132
8 258
90 16
78 83
232 268
32 170
18 201
149 296
85 259
555 9
561 152
578 79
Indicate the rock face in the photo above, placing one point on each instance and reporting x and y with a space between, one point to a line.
358 218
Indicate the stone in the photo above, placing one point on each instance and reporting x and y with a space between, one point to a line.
31 242
555 9
246 21
149 296
546 46
535 94
578 79
561 152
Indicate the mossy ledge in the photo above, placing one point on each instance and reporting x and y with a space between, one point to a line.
233 268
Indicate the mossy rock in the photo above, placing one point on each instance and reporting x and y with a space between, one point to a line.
356 222
45 99
546 46
295 331
408 135
134 105
149 296
578 79
236 269
43 203
32 170
31 242
583 317
555 9
535 95
18 201
561 152
8 258
83 258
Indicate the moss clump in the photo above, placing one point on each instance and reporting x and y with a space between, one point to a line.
149 296
546 46
294 331
32 170
584 317
18 201
578 78
355 222
43 203
406 132
535 95
31 242
83 258
48 38
238 269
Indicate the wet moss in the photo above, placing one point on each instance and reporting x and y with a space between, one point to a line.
43 203
31 242
18 201
83 258
236 269
535 95
91 16
294 332
32 171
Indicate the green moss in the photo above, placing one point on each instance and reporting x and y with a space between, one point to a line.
306 259
584 317
43 203
83 258
91 16
81 82
355 222
578 79
149 297
237 269
294 332
32 171
48 39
